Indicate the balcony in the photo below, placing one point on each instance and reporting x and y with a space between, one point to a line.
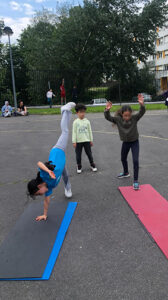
151 63
161 73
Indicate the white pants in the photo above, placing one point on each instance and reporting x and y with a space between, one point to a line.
7 114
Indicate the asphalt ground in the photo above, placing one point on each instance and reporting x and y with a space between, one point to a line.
106 253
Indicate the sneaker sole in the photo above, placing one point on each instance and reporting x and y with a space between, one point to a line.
93 170
126 176
68 196
136 189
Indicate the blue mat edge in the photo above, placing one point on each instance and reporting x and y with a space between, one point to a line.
56 248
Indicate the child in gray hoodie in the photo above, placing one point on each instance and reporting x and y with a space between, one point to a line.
128 131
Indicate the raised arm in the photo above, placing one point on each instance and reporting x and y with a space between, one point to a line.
107 113
142 110
45 169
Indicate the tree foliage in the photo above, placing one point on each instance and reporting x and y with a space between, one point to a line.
86 44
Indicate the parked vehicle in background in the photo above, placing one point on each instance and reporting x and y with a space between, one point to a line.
161 97
147 98
101 101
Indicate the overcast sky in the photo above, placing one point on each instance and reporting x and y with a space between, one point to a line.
17 14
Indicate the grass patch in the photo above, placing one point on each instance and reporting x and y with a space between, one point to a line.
44 111
97 92
99 89
94 109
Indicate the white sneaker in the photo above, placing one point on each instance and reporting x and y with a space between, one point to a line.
94 169
68 106
79 170
68 193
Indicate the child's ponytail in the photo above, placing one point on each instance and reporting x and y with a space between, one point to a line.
118 113
49 165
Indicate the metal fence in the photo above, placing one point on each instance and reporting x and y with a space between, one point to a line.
38 82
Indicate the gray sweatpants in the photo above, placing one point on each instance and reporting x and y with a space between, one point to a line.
63 141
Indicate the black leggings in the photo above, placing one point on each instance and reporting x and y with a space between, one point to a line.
134 146
87 147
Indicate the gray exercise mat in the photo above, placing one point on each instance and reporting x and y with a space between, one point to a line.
26 250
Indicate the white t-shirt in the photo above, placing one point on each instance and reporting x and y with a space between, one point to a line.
49 94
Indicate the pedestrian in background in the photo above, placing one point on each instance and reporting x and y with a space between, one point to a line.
49 96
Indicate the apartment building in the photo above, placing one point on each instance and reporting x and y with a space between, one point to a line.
158 63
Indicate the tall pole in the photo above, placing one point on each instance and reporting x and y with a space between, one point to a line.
119 90
13 76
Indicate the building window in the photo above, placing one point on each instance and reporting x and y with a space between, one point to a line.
161 41
159 55
159 68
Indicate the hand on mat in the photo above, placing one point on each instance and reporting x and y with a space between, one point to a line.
40 218
140 99
52 175
74 145
109 105
91 144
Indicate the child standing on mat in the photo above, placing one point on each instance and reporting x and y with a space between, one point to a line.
127 127
82 138
50 173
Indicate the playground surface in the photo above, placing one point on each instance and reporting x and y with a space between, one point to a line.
106 254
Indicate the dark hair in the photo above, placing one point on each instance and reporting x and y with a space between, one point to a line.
123 109
80 107
32 185
49 165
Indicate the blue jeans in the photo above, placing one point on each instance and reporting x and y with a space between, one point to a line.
50 102
134 146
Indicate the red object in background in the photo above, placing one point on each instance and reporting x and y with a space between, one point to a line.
152 210
62 88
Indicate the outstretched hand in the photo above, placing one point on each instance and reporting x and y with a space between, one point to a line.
109 105
141 99
52 175
40 218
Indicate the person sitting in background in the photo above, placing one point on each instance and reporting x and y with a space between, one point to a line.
22 110
6 110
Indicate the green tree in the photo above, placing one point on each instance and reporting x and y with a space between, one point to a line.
88 43
37 48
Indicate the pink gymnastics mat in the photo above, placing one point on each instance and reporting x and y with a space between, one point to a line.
152 210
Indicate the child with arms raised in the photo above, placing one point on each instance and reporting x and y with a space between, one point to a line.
126 122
